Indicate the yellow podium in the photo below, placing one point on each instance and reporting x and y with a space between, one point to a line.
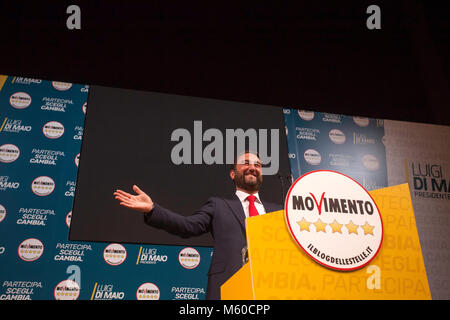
278 269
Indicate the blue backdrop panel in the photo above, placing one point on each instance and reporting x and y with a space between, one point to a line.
324 141
41 130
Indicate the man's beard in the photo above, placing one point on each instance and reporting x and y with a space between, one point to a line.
248 181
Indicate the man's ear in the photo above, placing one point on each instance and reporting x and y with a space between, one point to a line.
232 174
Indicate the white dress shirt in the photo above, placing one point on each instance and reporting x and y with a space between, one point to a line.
258 204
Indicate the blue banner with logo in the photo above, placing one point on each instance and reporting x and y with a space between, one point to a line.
41 130
346 144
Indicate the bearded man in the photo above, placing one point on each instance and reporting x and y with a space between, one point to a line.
224 218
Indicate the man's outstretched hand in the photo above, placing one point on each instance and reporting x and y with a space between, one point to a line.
140 202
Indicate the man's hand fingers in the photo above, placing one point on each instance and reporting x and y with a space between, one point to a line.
137 190
140 202
123 193
120 198
126 200
126 204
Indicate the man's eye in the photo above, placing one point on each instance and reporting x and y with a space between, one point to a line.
247 163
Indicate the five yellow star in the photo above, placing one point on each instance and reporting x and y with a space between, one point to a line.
304 225
351 227
368 229
320 225
336 226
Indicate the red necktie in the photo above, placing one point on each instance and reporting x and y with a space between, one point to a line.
251 207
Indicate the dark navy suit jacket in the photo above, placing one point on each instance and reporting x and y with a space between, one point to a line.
225 219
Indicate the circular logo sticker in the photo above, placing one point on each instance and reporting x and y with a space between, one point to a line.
2 212
68 219
30 249
43 186
334 220
371 162
361 121
9 153
61 86
306 115
337 136
77 160
114 254
312 157
147 291
53 129
20 100
189 258
67 290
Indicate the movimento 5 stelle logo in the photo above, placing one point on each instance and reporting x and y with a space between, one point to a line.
334 220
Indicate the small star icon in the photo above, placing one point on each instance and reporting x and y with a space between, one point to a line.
304 225
336 226
352 228
320 225
368 229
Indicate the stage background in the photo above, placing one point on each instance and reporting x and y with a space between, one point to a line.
128 141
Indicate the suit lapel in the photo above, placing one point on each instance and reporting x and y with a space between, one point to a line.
237 210
270 207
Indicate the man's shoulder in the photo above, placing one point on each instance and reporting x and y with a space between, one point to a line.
218 200
271 206
222 199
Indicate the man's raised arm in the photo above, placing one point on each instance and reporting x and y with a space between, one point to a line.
161 218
